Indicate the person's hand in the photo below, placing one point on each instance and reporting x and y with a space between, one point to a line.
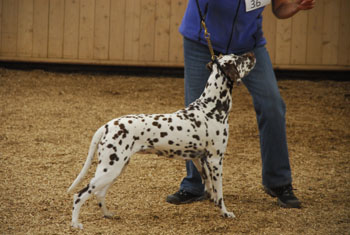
305 4
284 9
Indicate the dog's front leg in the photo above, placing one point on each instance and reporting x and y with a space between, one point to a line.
207 172
216 175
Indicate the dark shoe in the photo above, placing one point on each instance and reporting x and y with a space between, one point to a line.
183 197
285 195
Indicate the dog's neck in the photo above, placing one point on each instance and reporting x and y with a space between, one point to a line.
216 98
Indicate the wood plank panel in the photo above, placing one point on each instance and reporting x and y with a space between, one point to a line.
71 29
162 33
283 41
176 45
132 30
56 24
117 29
9 27
314 39
25 28
0 22
344 33
299 38
145 33
330 33
147 30
40 28
101 29
86 29
269 28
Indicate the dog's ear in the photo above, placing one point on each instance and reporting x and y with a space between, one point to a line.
231 70
210 66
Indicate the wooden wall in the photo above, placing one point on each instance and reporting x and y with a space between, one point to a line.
145 33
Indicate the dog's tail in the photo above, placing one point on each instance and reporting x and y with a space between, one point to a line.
94 142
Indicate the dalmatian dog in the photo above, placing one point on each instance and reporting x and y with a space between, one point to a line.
198 132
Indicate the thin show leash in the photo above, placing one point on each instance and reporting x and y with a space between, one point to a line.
210 46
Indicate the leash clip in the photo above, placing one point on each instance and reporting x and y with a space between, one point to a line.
207 37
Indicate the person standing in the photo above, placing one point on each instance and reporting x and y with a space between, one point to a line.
235 27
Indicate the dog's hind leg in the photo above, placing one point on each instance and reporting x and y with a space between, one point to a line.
101 195
198 164
97 184
203 173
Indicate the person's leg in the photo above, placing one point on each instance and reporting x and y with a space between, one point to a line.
196 57
270 112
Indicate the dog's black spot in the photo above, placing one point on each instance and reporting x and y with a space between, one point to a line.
192 155
170 142
83 190
179 128
106 126
220 204
77 201
110 146
100 204
223 94
163 134
114 157
196 137
105 170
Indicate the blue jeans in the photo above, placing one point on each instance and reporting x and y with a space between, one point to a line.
269 107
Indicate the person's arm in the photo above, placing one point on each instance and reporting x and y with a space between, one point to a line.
284 9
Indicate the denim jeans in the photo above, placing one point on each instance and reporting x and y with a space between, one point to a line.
269 107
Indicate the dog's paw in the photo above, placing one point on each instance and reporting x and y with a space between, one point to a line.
77 225
228 215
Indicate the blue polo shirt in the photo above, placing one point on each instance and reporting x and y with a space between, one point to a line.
231 28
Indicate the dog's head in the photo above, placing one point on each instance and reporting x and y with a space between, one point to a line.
235 66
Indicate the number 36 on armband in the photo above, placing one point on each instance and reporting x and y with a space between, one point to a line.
251 5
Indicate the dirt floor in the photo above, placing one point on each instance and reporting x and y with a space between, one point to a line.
47 121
